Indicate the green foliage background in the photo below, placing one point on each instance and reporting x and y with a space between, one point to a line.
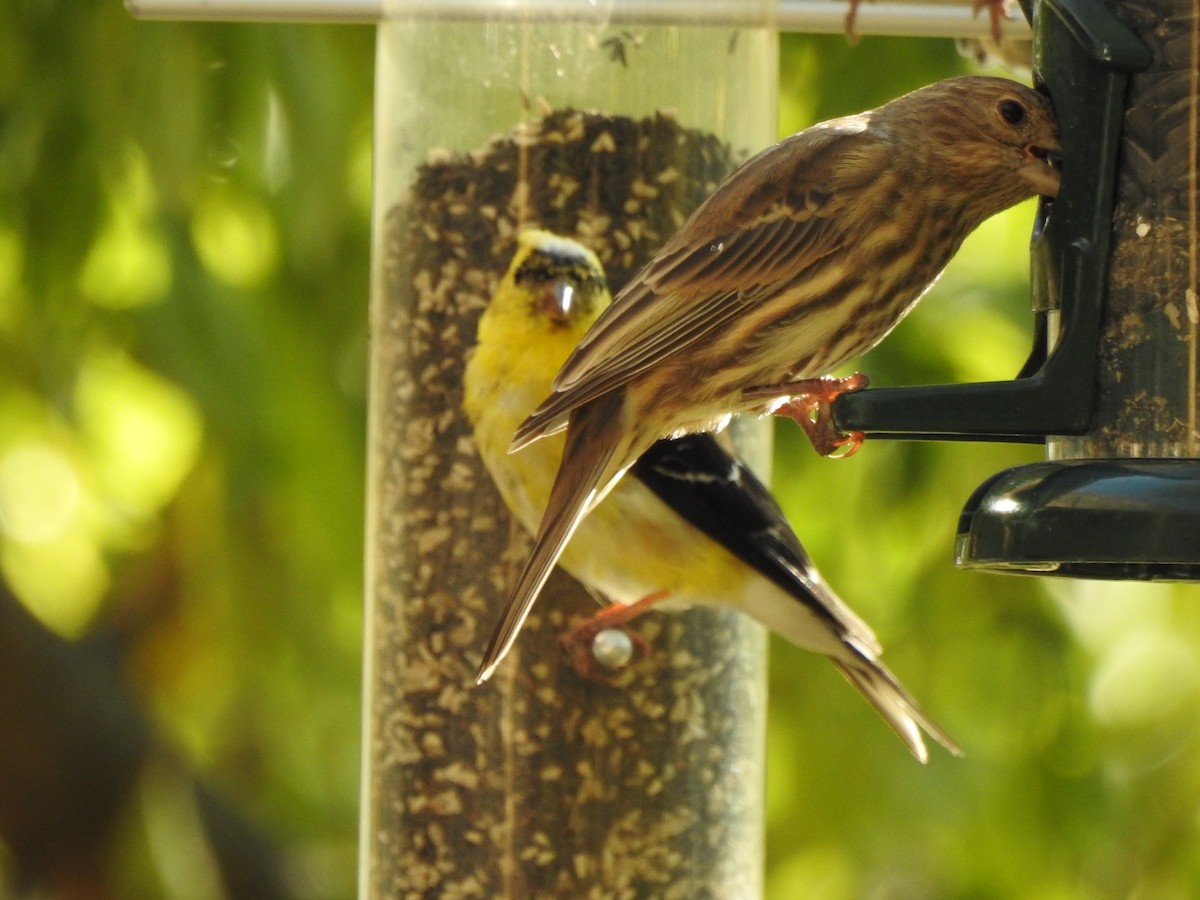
184 252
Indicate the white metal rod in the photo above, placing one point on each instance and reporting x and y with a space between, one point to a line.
348 11
930 18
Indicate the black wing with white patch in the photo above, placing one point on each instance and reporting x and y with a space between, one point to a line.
719 495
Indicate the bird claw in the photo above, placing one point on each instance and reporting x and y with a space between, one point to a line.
842 445
577 642
997 13
851 24
810 405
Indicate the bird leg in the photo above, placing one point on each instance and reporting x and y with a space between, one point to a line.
851 27
577 641
997 13
810 405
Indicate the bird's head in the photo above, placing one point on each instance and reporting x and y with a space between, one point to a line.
991 137
563 280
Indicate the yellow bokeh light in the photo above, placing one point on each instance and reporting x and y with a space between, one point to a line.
50 548
39 493
128 264
143 432
236 238
62 581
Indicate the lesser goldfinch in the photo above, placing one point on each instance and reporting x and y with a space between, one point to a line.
691 523
801 260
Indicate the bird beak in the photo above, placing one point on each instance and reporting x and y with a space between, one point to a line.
555 302
1041 169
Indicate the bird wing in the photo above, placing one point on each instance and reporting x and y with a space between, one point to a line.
586 473
719 495
770 221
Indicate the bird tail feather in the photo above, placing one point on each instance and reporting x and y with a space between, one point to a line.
584 476
897 707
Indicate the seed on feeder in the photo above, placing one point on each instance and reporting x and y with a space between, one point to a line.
643 190
575 128
605 143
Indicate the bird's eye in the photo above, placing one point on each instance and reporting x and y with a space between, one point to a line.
1011 111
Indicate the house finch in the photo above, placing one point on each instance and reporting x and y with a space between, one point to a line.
689 524
802 260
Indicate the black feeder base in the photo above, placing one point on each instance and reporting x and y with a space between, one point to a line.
1090 518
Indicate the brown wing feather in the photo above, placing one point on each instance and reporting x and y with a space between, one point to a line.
768 223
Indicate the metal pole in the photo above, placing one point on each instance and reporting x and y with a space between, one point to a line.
540 783
932 18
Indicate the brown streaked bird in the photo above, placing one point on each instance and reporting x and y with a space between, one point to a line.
801 261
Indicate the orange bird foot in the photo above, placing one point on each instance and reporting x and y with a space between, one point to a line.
810 404
579 643
997 13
